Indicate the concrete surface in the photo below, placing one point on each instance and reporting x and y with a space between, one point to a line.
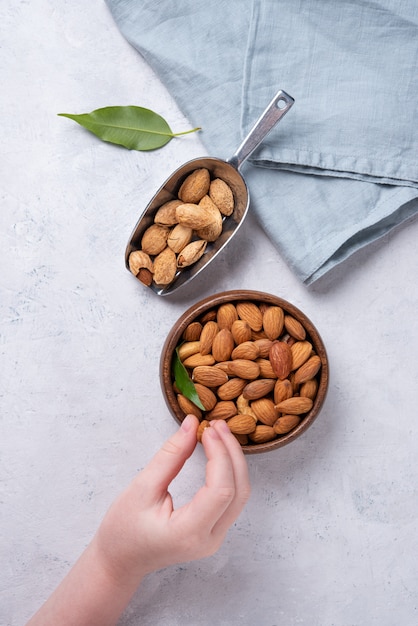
329 537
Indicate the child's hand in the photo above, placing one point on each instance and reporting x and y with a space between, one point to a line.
142 532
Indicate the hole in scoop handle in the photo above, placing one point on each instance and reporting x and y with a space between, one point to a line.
277 108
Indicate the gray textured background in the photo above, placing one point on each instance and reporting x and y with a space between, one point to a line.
329 536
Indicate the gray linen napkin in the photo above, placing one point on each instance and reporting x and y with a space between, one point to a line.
341 169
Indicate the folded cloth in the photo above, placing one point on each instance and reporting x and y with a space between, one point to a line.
341 169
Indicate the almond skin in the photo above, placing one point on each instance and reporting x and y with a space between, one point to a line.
193 332
294 327
241 331
246 350
138 259
266 370
283 389
258 388
245 369
309 389
308 370
301 351
226 315
188 407
209 375
198 359
273 321
285 424
241 424
195 186
222 345
280 356
206 396
222 410
250 313
209 331
264 346
187 349
264 410
232 389
296 405
262 434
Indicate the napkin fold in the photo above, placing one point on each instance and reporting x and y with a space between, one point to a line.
341 169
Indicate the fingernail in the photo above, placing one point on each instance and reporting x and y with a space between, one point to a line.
187 423
223 426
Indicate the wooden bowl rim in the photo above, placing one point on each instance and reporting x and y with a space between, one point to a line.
215 300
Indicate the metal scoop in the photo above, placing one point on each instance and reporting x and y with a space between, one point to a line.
227 171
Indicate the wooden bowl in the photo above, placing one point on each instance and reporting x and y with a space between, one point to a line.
203 307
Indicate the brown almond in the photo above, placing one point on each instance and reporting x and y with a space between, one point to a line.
250 313
296 405
180 236
283 389
242 439
201 428
309 389
195 186
188 407
222 410
241 424
264 346
264 410
258 388
165 267
301 351
273 321
256 335
209 375
154 239
285 424
221 194
262 434
308 370
188 348
209 316
209 331
166 214
280 357
193 332
231 389
294 327
246 350
266 370
206 396
241 331
222 345
226 315
198 359
145 276
225 366
245 369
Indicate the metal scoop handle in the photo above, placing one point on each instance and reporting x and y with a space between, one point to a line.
277 108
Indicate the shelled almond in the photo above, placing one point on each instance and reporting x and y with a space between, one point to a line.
182 229
254 366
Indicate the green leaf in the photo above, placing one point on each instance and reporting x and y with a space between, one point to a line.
133 127
184 382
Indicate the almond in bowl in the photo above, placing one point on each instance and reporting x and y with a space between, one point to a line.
251 359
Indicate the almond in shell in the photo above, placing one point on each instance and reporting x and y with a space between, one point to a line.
214 229
165 267
180 236
191 253
166 214
193 216
195 186
154 239
221 194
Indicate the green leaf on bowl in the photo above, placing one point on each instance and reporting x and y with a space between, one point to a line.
133 127
184 382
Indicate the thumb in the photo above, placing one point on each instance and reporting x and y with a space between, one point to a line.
171 457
